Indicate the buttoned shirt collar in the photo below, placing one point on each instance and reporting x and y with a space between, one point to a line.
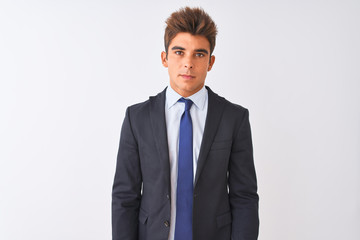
198 98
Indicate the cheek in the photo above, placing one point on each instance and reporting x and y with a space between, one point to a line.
203 64
172 66
204 68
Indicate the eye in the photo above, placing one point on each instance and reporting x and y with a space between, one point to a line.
199 55
178 52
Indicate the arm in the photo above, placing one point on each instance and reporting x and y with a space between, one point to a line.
126 194
243 186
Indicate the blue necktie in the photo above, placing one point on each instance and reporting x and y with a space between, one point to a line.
184 195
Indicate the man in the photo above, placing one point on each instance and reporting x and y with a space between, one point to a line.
185 167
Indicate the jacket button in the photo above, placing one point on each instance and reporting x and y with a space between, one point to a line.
167 196
166 223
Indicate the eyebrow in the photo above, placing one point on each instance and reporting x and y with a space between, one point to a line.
201 50
177 48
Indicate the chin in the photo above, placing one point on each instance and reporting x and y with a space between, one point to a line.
189 88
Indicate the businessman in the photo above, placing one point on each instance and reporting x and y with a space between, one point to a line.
185 167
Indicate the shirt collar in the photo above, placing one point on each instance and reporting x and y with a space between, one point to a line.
198 98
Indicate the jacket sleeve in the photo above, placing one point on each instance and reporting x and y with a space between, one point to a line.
126 193
243 185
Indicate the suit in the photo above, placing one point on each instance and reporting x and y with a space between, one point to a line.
225 204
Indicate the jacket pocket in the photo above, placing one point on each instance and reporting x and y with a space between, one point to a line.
143 216
223 219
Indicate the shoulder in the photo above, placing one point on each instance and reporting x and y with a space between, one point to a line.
230 107
235 107
139 109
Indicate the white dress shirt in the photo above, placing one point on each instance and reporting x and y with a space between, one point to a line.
173 113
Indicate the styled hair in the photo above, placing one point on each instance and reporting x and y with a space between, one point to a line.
191 20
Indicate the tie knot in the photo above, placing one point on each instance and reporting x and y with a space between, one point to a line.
188 103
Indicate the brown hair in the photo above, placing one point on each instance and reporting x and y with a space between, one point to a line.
192 20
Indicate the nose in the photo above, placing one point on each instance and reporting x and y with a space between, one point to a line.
188 63
188 66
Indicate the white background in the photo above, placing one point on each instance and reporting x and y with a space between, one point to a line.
69 69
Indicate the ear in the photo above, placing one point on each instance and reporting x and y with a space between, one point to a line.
211 63
164 59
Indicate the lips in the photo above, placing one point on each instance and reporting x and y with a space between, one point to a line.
186 76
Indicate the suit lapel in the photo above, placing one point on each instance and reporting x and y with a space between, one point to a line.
158 123
215 110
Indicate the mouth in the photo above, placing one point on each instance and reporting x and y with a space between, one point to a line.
186 76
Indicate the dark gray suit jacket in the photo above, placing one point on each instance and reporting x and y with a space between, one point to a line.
225 188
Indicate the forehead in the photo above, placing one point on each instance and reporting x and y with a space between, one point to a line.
189 41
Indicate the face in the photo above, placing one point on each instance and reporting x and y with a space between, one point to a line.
188 62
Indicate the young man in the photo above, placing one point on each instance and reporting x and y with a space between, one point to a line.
185 167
